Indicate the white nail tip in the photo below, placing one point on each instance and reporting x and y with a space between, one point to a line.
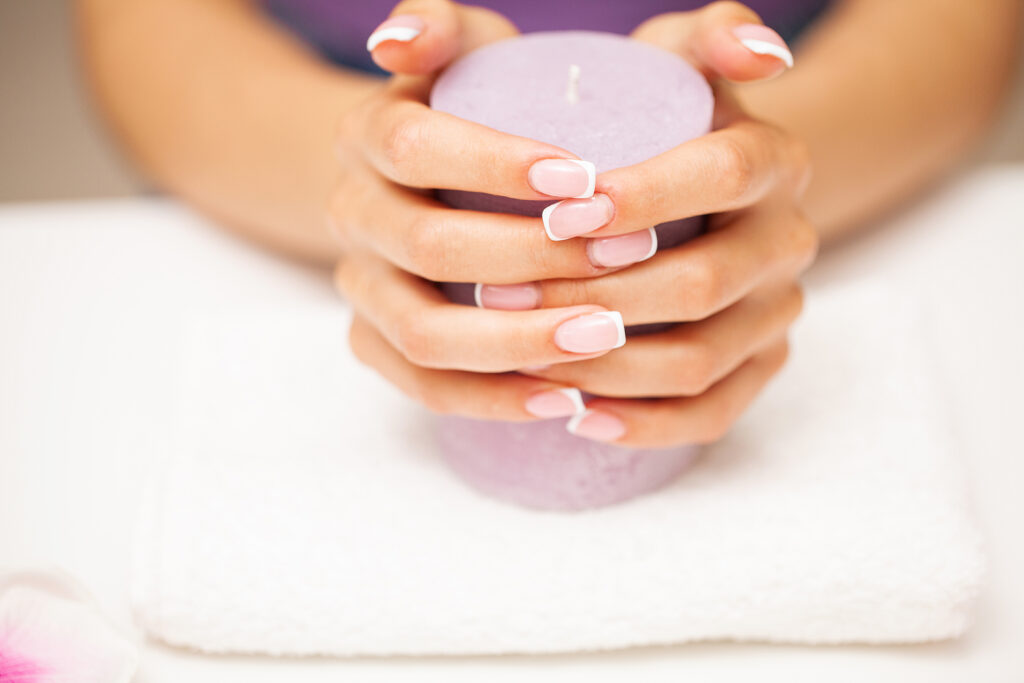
400 33
591 170
574 422
654 244
545 217
476 295
616 317
763 47
576 397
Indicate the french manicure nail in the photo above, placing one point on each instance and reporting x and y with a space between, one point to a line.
572 217
591 333
556 403
596 425
764 41
402 28
569 178
623 250
523 297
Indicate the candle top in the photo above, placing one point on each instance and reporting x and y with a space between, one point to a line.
632 101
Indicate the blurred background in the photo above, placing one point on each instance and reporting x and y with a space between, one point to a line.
52 145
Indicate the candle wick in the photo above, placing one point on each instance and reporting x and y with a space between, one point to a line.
573 92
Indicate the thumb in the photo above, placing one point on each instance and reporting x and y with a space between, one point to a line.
422 36
722 40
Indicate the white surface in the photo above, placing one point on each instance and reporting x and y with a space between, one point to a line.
306 509
82 419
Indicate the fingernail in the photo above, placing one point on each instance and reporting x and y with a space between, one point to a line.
572 217
764 41
596 425
563 178
522 297
401 28
556 403
591 333
623 250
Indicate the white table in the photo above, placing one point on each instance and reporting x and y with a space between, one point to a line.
91 294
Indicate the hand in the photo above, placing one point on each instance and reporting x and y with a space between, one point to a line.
393 148
738 283
737 286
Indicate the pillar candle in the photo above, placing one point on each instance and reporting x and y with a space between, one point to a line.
614 102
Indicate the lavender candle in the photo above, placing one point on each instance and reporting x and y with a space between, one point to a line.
614 102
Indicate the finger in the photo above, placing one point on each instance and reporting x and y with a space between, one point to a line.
689 358
593 217
728 169
416 146
659 423
422 36
442 244
431 332
722 40
698 278
510 397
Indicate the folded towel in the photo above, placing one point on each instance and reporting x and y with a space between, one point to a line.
307 512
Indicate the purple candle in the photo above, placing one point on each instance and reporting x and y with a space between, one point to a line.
611 101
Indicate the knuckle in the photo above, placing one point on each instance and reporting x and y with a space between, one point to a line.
642 193
702 287
697 371
414 339
402 145
437 402
715 427
716 423
358 342
352 278
735 167
780 356
542 262
804 242
425 250
344 277
567 292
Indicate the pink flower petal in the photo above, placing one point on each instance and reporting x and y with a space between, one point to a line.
51 630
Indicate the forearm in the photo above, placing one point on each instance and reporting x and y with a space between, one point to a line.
221 107
888 95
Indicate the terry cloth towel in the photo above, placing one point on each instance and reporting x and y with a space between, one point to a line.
307 512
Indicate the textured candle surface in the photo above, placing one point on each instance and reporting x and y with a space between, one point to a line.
632 102
635 100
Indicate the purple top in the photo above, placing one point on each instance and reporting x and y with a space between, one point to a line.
339 28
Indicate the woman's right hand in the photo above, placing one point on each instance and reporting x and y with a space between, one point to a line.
394 235
394 149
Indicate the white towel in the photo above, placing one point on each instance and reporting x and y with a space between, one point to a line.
307 511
